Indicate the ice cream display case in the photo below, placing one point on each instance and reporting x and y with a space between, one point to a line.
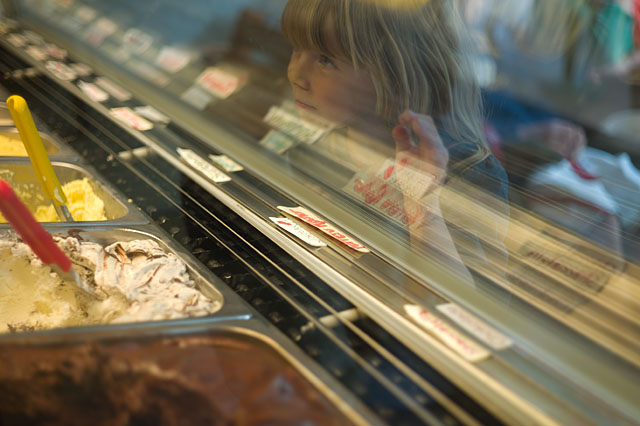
257 263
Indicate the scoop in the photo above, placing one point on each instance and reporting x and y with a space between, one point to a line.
38 156
34 235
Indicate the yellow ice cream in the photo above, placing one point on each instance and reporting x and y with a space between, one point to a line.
11 145
83 203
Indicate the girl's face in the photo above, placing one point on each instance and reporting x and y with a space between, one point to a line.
332 88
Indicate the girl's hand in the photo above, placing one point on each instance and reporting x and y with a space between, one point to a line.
421 164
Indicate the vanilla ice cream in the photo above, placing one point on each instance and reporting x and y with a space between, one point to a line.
82 201
135 281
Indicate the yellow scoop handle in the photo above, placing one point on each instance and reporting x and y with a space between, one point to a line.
35 148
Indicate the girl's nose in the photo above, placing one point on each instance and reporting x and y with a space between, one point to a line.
299 70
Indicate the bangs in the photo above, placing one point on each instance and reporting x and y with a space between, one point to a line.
307 23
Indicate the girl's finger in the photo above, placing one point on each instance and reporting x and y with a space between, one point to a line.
402 137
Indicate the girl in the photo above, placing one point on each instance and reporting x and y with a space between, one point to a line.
396 72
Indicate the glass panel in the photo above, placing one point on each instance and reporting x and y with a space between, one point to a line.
485 150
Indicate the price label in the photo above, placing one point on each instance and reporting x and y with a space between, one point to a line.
136 41
61 71
172 59
220 82
203 166
226 163
308 217
464 347
113 89
152 114
127 116
93 92
297 231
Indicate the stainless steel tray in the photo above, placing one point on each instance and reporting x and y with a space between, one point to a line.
5 116
210 285
256 331
56 150
21 175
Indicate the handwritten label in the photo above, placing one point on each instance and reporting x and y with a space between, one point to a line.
294 126
464 347
113 89
61 71
136 41
226 163
475 326
93 92
297 231
152 114
203 166
172 59
196 97
306 216
127 116
220 82
381 191
565 267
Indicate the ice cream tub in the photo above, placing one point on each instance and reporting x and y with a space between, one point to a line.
138 277
11 145
186 374
89 200
5 116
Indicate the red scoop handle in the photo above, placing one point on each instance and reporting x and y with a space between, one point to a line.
31 231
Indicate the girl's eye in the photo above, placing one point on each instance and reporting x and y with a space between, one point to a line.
325 61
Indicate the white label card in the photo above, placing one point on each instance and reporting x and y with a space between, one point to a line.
137 41
113 89
226 163
294 126
99 31
152 114
55 51
203 166
220 82
464 347
308 217
61 71
277 142
475 326
298 231
173 59
93 92
127 116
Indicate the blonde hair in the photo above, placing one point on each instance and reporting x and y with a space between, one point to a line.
414 51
